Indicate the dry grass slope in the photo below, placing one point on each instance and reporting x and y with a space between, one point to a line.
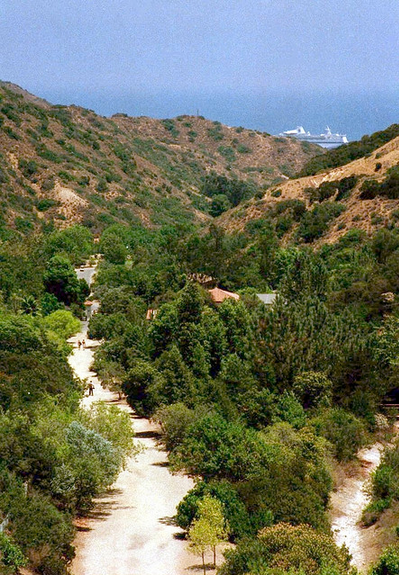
367 215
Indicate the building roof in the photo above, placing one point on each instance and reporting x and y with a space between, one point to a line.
218 295
267 298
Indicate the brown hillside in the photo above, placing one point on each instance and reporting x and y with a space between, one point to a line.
366 215
65 164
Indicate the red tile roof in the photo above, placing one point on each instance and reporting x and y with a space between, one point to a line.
219 295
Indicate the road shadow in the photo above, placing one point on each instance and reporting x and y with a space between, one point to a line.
104 505
168 521
98 514
82 529
180 536
161 464
208 567
147 434
111 492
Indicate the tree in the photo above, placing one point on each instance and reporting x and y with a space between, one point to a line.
62 322
189 304
267 245
313 389
342 429
174 420
237 322
236 374
19 334
387 342
164 328
93 461
306 277
234 511
60 279
29 306
112 424
113 248
216 448
210 509
209 530
111 374
220 204
287 408
75 241
49 303
306 335
141 386
177 382
201 538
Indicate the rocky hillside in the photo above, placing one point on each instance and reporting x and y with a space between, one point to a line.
62 164
363 194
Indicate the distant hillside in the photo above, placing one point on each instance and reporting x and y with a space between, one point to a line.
362 194
62 164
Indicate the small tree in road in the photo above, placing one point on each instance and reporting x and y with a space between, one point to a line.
209 530
202 539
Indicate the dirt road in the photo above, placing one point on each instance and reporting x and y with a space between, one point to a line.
129 532
347 504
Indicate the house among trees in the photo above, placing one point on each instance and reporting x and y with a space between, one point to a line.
151 314
267 298
219 295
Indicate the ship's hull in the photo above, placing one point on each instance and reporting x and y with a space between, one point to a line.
328 143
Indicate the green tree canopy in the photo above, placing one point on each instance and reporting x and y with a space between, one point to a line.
60 279
292 549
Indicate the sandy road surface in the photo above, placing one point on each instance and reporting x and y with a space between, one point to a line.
129 531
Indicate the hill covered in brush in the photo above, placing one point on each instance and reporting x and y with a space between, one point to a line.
62 164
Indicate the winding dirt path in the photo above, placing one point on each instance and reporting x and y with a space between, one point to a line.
129 531
347 504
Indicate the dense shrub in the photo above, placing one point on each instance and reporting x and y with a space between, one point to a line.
287 549
28 167
388 188
316 221
170 126
345 186
45 204
323 192
235 190
388 563
344 431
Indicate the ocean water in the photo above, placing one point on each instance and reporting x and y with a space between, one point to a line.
353 114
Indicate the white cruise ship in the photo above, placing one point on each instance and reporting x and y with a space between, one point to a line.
326 140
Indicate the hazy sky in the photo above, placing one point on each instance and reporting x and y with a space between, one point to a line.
99 52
